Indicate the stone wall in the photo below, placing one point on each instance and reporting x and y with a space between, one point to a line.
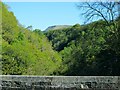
60 82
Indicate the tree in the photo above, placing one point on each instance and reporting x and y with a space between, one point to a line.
9 25
30 27
107 63
107 58
103 10
25 52
108 11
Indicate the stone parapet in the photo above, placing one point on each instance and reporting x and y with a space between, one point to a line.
18 82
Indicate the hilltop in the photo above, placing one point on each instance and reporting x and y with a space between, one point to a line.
56 27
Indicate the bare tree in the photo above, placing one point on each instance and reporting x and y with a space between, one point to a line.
107 11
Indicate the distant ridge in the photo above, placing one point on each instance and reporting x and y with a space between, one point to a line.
55 27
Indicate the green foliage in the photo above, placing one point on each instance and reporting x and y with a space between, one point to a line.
26 52
86 50
107 63
9 25
92 49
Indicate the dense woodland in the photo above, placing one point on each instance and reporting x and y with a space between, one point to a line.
89 49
